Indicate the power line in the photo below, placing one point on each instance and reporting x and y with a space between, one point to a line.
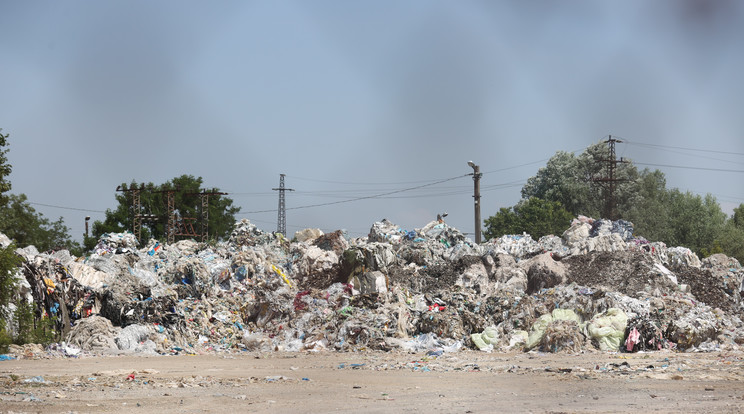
688 154
67 208
356 183
360 198
689 168
682 148
516 166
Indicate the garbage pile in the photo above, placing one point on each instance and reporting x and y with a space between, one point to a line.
596 287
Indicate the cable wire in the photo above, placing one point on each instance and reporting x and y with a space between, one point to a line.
67 208
689 168
360 198
681 148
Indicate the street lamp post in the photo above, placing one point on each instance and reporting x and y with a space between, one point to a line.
476 199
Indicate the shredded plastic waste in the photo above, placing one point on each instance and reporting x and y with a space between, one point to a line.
430 289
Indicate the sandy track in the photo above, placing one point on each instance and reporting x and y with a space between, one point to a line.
378 382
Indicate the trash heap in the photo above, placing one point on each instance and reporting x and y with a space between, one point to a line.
596 287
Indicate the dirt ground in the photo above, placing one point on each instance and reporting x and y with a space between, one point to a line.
376 382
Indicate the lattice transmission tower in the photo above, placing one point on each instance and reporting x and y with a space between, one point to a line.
281 221
609 182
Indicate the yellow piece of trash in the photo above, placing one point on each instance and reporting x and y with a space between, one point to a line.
280 272
50 285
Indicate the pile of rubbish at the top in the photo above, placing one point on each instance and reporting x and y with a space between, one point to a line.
596 287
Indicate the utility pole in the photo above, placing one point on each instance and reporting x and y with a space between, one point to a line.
170 208
609 182
476 199
204 195
136 209
281 222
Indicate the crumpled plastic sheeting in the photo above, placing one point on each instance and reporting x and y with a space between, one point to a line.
258 291
602 227
428 342
695 326
515 245
486 339
553 245
643 334
89 276
316 263
386 232
115 242
94 333
682 256
307 235
608 329
540 327
135 338
246 233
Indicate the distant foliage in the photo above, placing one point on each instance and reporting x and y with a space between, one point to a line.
659 214
9 262
730 240
22 223
5 167
153 200
534 216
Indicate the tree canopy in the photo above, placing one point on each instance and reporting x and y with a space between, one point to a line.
659 214
534 216
153 202
22 223
571 181
5 167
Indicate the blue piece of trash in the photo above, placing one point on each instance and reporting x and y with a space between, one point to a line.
6 357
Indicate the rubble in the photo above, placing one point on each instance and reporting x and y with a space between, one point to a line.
595 287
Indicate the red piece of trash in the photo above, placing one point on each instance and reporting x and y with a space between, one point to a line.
130 377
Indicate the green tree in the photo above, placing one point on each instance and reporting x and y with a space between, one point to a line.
738 217
534 216
5 167
20 221
659 214
153 201
692 221
571 181
647 208
9 262
730 240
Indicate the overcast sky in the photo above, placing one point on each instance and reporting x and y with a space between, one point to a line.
356 99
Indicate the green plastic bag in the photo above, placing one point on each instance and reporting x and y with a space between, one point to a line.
608 329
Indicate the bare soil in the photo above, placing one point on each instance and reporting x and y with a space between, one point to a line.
376 382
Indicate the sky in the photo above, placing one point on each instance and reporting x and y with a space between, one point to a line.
380 102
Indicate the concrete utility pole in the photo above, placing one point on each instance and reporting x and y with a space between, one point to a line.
281 222
476 197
